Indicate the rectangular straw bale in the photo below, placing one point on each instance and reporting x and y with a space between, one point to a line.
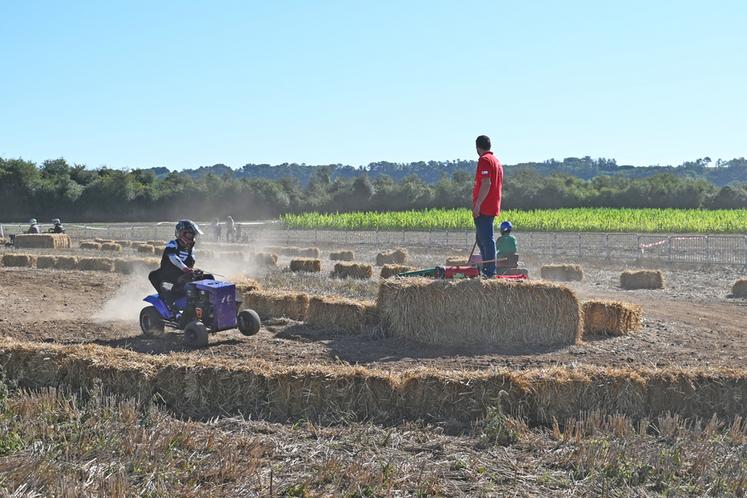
309 252
344 255
244 284
277 304
96 264
146 249
306 265
128 266
641 279
43 241
157 243
103 241
87 244
352 270
562 273
392 270
46 262
266 259
339 314
739 289
456 260
111 246
396 257
19 260
67 263
124 243
611 317
480 312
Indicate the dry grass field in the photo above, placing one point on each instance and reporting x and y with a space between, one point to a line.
304 408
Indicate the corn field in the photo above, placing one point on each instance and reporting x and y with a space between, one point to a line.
549 220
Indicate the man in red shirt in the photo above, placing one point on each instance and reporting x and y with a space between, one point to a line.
486 201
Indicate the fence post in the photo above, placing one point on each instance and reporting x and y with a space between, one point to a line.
638 246
669 243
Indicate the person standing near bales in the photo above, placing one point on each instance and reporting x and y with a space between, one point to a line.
486 201
230 229
33 226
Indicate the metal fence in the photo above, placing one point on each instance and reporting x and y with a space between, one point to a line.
622 247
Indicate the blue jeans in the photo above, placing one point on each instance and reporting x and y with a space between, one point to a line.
486 243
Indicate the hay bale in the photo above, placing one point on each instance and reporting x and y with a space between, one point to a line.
128 266
306 265
19 260
309 252
46 262
344 255
244 284
156 243
96 264
43 241
67 263
396 257
146 249
266 259
340 314
124 243
480 312
352 270
388 271
739 289
111 246
456 260
277 304
87 244
103 241
642 279
611 318
562 273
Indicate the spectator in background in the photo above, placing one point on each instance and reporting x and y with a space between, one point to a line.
34 228
486 202
230 229
238 232
216 229
57 228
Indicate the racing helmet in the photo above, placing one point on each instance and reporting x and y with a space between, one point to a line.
186 231
57 221
506 227
32 221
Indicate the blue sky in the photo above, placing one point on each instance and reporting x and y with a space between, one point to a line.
181 84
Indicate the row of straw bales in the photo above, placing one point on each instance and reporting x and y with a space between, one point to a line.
119 265
43 241
204 388
306 252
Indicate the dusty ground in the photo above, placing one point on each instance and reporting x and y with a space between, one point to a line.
691 323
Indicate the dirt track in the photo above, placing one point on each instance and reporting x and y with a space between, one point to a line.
694 326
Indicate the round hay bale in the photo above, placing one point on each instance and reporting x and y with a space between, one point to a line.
19 260
344 255
479 312
388 271
306 265
43 241
96 264
642 279
146 249
340 314
111 247
46 262
266 259
352 270
739 289
87 244
277 304
67 263
611 318
562 273
396 257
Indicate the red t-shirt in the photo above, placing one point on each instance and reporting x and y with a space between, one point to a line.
488 166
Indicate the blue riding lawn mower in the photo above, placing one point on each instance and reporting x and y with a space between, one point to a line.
206 306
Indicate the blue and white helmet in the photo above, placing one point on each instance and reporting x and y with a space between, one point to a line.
506 227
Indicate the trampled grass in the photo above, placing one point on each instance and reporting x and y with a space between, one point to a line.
547 220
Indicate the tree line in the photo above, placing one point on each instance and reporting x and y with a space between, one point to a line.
56 189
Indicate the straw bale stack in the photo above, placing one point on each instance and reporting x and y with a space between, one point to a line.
388 271
456 260
244 284
306 265
67 263
352 270
277 304
46 262
19 260
562 273
43 241
266 259
342 314
611 317
739 289
480 312
96 264
146 249
156 243
396 257
87 244
642 279
343 255
111 247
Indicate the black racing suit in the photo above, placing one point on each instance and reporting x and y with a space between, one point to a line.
176 258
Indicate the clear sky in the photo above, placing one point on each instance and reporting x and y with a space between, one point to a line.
184 84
